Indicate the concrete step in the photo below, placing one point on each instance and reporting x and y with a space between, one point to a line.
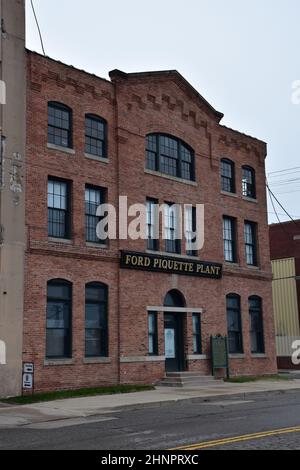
187 379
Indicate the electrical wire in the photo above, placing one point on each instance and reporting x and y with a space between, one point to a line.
286 212
38 27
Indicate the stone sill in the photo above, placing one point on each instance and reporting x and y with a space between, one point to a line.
259 356
97 360
227 193
61 149
90 156
171 178
197 357
64 241
250 199
133 359
59 362
101 246
173 255
237 356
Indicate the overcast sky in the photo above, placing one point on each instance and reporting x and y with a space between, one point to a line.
242 56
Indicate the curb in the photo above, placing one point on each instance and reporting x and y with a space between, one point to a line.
241 396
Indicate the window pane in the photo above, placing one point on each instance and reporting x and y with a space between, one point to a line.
58 343
58 315
95 136
93 343
170 156
96 293
59 125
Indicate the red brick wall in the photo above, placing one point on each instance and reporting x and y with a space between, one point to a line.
144 105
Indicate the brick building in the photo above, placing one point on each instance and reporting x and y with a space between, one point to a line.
285 256
89 320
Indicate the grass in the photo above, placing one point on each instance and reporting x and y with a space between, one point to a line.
257 378
84 392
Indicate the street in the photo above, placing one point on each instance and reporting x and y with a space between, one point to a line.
271 422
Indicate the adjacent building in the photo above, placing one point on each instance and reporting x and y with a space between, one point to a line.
12 192
285 256
128 311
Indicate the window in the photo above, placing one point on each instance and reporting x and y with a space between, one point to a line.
59 320
248 182
96 320
58 209
227 176
152 225
170 156
152 334
229 238
59 125
256 325
190 230
95 136
251 243
197 342
235 342
172 238
94 197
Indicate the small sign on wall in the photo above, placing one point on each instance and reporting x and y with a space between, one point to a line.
28 376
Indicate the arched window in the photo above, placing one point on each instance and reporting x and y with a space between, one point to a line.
59 319
95 136
227 175
174 298
234 324
170 156
59 124
96 320
256 325
248 182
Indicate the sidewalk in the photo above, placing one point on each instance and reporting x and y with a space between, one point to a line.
78 409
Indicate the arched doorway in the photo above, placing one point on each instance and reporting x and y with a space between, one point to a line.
174 331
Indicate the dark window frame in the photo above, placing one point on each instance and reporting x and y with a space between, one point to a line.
197 334
152 243
194 229
63 108
103 331
153 335
67 302
253 246
104 141
156 162
235 336
172 245
228 181
232 241
248 187
259 330
57 212
103 199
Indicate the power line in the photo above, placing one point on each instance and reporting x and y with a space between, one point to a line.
38 27
273 195
284 171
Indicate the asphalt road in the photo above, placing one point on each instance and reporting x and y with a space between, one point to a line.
219 425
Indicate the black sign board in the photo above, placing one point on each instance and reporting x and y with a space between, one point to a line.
170 265
219 354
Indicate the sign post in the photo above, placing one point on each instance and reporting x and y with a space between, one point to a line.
219 354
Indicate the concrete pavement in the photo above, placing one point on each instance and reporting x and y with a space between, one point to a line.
74 409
